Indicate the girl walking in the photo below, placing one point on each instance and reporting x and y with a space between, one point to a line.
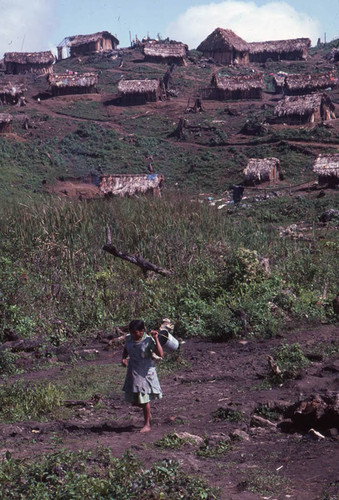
141 383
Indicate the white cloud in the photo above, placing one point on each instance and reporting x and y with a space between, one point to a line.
26 25
272 21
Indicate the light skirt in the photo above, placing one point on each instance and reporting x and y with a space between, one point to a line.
137 398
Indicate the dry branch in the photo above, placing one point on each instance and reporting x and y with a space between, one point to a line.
136 259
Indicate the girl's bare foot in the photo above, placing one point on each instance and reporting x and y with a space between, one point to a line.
146 428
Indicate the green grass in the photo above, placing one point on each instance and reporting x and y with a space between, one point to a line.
264 482
97 475
214 259
22 401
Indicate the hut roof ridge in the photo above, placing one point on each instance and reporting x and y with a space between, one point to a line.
222 38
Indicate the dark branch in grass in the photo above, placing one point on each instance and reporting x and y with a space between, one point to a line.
136 259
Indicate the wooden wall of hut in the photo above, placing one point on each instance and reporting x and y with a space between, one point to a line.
93 46
227 57
262 57
328 180
139 98
179 61
5 127
216 94
57 91
13 68
297 119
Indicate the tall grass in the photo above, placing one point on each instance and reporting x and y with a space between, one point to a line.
56 278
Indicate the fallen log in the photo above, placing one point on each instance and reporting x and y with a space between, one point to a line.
136 259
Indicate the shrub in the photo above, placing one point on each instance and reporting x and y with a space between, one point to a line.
97 475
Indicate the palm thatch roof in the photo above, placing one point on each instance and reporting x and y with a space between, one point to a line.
130 184
223 39
298 105
29 57
66 80
75 41
165 50
5 118
308 82
12 90
260 167
280 46
138 86
242 82
327 165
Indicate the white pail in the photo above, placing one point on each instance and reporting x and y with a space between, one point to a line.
167 341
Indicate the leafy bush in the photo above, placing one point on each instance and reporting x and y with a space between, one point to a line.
97 475
228 414
291 360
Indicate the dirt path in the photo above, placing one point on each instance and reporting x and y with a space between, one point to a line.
229 376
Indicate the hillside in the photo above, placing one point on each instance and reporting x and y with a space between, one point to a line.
71 136
250 408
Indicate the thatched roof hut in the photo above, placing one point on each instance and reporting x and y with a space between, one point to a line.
139 91
168 53
225 47
78 45
306 108
10 94
66 83
327 168
17 63
299 84
235 87
277 50
262 170
131 184
5 122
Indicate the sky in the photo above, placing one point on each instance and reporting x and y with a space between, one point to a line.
36 25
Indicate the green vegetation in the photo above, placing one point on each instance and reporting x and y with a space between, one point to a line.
172 441
291 360
263 482
263 410
97 475
217 272
208 451
228 414
21 401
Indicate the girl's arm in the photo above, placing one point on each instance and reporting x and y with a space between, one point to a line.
124 361
158 347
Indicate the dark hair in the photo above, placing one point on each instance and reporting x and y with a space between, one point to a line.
136 325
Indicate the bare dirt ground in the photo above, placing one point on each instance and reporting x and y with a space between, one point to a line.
231 376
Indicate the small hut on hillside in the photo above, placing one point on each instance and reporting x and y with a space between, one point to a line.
304 109
65 83
300 84
225 88
20 63
262 170
5 122
225 47
80 45
327 168
10 94
168 53
131 184
139 91
279 50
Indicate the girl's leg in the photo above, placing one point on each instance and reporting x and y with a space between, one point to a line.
146 408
